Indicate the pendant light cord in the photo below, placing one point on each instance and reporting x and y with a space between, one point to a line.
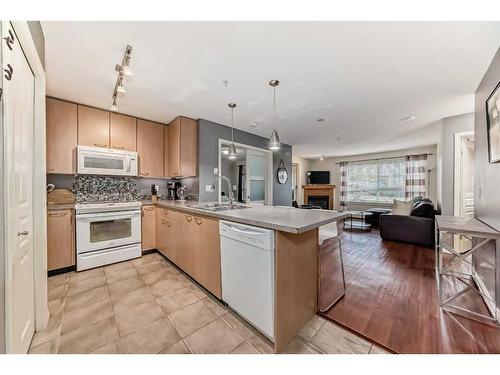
232 124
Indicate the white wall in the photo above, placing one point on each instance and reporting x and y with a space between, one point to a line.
303 167
446 145
330 164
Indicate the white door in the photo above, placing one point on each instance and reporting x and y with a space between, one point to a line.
467 176
18 199
257 177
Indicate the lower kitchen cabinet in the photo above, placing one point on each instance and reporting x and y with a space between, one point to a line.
60 239
166 238
192 243
207 254
148 228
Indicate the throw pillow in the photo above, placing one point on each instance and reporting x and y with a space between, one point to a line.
423 209
402 207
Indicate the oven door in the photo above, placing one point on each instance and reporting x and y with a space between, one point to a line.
99 161
95 231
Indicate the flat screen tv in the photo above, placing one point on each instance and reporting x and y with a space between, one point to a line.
318 177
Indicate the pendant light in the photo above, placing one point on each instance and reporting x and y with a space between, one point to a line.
232 149
274 141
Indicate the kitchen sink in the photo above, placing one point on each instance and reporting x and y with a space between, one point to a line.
215 207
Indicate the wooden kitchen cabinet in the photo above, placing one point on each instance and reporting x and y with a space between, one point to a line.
93 127
60 239
122 132
150 136
185 242
148 227
62 136
182 148
207 267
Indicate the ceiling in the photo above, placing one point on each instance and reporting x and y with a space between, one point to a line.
362 78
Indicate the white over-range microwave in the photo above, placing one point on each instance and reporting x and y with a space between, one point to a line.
103 161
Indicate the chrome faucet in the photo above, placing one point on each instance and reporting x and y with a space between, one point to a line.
231 195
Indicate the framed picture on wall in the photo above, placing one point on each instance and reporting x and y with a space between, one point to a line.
493 124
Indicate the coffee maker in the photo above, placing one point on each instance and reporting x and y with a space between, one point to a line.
172 187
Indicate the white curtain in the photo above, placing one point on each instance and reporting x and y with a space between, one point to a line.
416 181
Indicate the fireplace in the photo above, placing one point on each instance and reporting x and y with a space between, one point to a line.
321 201
319 195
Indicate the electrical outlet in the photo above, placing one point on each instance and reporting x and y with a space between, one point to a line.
216 171
209 188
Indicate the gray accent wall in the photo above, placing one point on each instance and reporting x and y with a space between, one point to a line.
487 181
209 134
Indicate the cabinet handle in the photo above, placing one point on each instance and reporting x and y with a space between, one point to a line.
9 40
198 220
23 233
100 145
57 214
144 173
189 218
169 224
165 211
118 147
163 221
52 169
148 208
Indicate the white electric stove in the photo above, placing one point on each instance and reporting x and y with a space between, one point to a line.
107 232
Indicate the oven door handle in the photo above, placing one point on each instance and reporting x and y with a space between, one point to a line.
106 216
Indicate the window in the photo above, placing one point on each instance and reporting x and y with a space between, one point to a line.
378 181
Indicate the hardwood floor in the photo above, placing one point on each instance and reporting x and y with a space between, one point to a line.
391 299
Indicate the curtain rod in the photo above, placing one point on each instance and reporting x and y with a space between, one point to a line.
388 157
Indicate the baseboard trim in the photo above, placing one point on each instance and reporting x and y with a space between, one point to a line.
61 270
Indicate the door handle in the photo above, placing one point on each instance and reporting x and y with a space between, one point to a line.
10 40
8 72
23 233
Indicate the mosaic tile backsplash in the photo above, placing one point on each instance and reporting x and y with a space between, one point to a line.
105 189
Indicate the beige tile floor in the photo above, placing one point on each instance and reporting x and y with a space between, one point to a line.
148 306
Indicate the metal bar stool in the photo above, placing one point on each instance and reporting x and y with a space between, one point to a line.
331 280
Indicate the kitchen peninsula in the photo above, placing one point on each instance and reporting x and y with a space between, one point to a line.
187 233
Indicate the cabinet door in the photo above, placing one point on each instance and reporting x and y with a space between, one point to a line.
165 152
62 136
60 239
93 127
150 148
186 242
148 229
188 147
171 238
207 255
161 234
174 148
122 132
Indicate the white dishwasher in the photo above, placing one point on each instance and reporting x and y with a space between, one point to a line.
247 265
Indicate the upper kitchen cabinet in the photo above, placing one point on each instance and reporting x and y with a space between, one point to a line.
150 148
62 136
122 132
182 147
93 127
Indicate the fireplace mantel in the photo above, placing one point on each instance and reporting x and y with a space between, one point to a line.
320 190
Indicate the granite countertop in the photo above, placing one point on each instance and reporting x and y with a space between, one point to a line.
286 219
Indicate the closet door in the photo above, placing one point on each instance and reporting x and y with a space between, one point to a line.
18 93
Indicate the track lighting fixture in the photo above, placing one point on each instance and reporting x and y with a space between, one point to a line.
123 70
